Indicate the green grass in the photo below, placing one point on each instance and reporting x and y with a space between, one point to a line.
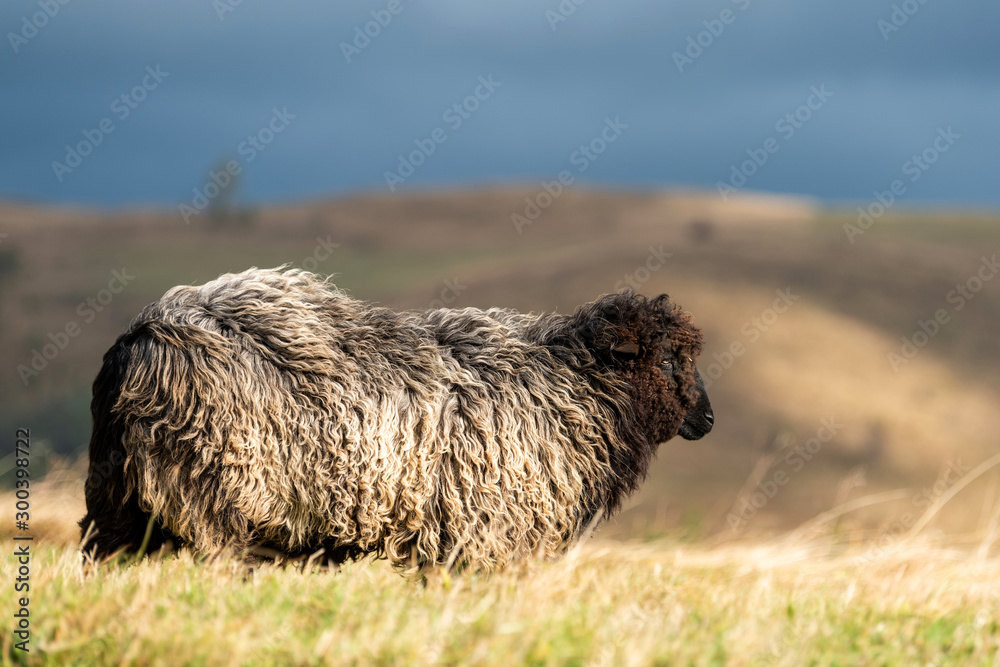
607 603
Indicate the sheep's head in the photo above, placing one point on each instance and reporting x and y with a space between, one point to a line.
654 345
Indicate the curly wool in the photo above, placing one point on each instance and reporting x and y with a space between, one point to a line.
269 408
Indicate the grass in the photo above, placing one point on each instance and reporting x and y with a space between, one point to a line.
608 603
801 599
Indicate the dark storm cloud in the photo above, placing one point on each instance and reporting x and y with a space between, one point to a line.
889 95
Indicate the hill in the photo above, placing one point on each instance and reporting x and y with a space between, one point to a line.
802 320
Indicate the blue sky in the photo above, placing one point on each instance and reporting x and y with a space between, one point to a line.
562 71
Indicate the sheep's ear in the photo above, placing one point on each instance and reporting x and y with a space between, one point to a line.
627 350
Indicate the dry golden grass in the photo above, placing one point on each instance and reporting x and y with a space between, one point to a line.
809 597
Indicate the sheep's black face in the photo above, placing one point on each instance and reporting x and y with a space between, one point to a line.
679 403
653 345
699 420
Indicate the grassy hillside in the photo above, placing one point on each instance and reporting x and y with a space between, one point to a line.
611 604
842 512
815 597
825 357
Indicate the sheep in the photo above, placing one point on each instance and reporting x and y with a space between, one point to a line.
268 409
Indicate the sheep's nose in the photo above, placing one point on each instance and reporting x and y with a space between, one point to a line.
710 417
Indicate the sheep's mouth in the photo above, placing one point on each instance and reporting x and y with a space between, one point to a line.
699 420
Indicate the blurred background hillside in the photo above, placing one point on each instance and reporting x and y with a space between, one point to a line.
816 184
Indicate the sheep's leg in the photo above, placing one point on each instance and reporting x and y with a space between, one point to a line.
113 525
114 520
